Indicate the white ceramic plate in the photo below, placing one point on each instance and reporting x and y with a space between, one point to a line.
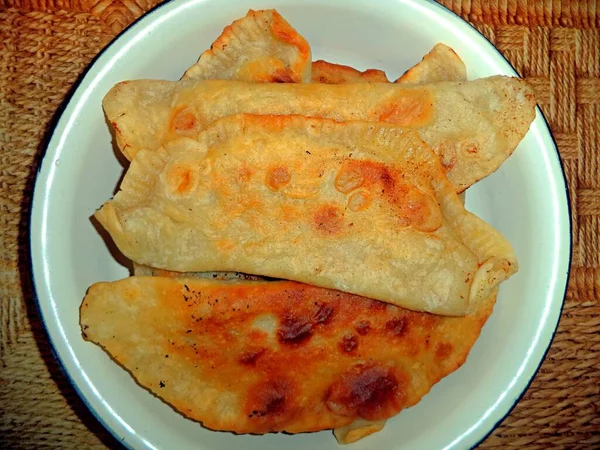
526 200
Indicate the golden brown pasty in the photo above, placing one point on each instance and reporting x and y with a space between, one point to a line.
473 126
257 357
361 207
260 47
440 64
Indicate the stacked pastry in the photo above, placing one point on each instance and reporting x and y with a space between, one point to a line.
303 259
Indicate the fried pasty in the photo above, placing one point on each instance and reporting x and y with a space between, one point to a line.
473 126
360 207
258 357
260 47
440 64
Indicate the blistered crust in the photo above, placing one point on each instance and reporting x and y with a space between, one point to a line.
360 207
257 357
472 126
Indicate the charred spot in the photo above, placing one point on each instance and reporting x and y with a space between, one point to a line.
250 357
387 180
398 327
275 404
272 398
323 314
282 76
349 343
161 384
294 330
328 220
376 305
363 327
372 392
375 174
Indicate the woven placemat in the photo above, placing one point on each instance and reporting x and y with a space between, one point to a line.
46 44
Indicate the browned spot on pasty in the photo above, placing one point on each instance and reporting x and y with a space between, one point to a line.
116 127
373 392
294 330
447 154
278 177
376 305
181 179
423 211
283 76
359 201
348 179
362 327
398 327
183 120
323 314
271 403
249 357
328 220
348 343
443 350
413 207
244 174
380 178
283 31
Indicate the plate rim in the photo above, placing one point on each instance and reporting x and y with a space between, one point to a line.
59 115
570 240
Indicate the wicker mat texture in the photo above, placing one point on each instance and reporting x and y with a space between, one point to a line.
46 44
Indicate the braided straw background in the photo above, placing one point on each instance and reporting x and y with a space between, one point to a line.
46 44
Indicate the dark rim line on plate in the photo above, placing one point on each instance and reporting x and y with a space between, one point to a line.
570 227
59 114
